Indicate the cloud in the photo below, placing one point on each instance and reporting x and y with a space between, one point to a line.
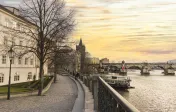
157 51
12 2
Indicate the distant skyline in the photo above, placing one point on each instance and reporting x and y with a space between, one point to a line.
131 30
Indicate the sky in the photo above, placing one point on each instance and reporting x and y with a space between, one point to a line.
130 30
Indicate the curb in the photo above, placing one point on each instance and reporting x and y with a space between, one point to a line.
80 97
89 101
33 93
48 86
72 78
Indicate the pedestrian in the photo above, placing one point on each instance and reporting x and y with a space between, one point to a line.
76 76
73 74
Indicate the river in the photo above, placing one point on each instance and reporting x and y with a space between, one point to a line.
154 93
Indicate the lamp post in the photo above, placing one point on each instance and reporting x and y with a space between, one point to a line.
11 54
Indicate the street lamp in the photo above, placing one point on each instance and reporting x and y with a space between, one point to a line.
11 55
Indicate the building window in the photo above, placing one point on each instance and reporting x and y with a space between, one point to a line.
1 78
16 77
21 43
4 59
19 60
7 22
13 41
29 76
0 19
26 61
18 26
14 25
32 61
5 40
13 60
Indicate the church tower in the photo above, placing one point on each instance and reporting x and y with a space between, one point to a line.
81 48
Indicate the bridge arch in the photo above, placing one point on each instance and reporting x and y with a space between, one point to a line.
134 67
114 69
161 67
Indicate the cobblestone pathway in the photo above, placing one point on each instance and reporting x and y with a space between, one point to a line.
60 98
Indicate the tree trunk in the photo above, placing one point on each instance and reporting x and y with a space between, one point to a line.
41 79
41 46
55 67
55 77
55 73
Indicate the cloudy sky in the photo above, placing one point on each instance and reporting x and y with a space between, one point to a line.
131 30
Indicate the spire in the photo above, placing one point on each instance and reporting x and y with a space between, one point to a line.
80 42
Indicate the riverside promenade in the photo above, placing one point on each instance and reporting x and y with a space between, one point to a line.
60 97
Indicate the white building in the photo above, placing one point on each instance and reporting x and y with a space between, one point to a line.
23 67
91 60
104 60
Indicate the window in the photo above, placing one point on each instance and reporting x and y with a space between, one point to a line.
14 25
13 60
7 22
4 59
26 61
13 41
19 60
16 77
5 40
32 61
23 29
0 19
29 76
1 78
21 42
18 26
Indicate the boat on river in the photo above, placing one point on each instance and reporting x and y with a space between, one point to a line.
117 81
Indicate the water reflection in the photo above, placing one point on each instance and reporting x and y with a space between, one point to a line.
154 93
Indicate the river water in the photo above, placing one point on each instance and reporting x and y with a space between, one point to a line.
154 93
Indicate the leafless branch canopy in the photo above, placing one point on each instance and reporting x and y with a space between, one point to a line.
54 23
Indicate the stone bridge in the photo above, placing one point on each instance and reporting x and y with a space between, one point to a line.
133 65
137 66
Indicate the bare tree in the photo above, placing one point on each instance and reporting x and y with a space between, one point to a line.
59 57
53 23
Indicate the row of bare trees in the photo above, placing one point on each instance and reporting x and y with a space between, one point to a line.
54 23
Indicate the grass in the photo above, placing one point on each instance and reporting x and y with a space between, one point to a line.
3 90
24 87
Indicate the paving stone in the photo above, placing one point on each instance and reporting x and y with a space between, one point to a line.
60 98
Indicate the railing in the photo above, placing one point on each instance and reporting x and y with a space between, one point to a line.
109 100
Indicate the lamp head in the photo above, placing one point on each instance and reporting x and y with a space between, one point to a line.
11 53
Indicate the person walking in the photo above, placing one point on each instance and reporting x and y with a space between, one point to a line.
73 74
76 76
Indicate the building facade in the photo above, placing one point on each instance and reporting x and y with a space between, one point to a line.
104 60
81 49
24 67
91 60
75 65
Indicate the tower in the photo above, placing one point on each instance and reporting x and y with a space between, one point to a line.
81 48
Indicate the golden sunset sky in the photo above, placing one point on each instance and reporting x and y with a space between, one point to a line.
131 30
